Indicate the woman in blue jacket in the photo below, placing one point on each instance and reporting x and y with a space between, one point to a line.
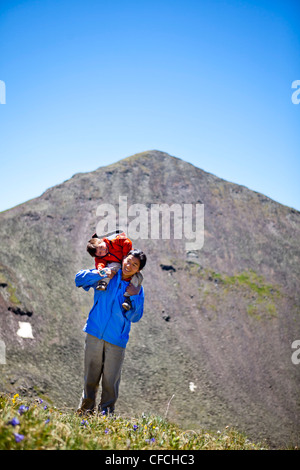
107 329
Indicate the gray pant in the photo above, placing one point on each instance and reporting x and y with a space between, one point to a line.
102 360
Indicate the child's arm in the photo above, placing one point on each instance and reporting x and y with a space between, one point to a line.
100 263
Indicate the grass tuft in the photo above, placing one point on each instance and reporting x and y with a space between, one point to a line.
36 425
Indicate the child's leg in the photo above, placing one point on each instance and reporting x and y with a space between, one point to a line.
103 283
114 266
136 280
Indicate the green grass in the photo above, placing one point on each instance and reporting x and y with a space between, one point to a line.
10 289
35 425
260 297
253 281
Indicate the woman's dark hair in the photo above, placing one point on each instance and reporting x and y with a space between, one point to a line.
140 255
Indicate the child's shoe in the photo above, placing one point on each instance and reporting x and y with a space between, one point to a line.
101 285
127 304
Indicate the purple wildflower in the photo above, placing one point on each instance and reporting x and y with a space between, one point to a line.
47 421
150 440
14 422
45 407
18 437
22 409
106 431
135 427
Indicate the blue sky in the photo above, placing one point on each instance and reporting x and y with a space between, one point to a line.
91 82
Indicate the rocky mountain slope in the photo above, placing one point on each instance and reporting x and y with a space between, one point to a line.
216 336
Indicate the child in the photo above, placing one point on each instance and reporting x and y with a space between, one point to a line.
109 252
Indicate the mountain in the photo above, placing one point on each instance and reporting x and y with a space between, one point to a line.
214 347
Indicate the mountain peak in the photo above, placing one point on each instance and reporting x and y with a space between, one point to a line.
227 313
148 155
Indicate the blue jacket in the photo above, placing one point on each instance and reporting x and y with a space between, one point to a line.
107 319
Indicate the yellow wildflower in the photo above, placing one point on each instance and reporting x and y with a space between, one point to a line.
14 398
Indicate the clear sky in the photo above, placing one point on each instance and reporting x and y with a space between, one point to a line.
88 83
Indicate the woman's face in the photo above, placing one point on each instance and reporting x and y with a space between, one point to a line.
130 266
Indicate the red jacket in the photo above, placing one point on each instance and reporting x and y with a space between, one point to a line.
118 248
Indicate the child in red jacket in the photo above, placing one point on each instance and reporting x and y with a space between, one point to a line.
109 252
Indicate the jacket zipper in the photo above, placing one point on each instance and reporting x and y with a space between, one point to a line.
103 331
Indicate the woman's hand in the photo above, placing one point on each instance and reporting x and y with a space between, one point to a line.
131 290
